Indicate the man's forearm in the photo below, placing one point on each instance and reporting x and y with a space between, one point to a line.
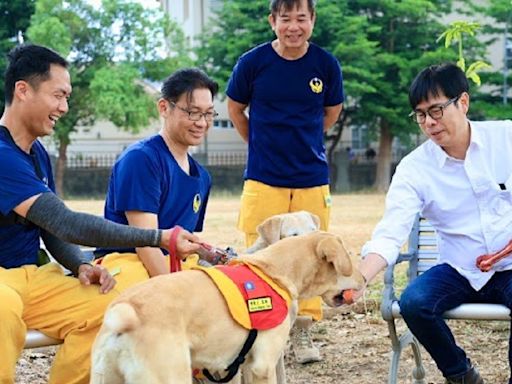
154 261
51 214
239 118
67 254
331 116
243 129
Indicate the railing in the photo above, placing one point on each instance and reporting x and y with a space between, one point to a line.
225 158
107 160
91 160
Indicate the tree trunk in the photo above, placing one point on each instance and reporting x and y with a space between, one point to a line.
60 168
384 158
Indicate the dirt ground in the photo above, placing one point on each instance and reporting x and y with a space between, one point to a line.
353 339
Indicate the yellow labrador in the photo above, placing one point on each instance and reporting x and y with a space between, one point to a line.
155 331
278 227
271 230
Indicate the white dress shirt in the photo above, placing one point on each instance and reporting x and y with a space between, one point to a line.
462 199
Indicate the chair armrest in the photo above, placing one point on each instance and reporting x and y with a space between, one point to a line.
388 293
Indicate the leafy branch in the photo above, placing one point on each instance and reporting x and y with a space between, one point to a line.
454 33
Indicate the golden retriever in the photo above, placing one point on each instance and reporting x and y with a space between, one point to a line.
155 331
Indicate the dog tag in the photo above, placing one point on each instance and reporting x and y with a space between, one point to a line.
259 304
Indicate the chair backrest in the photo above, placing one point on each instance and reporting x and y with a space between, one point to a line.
422 247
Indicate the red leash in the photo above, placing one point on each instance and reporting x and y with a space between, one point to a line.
174 260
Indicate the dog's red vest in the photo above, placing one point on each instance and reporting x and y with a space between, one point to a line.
254 300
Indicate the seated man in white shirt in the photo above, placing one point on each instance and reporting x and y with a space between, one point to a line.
460 179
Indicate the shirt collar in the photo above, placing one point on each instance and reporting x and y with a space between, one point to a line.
476 137
442 157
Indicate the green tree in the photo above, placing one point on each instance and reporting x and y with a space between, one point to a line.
403 32
14 19
111 50
237 27
492 101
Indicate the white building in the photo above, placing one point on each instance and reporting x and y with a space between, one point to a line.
191 15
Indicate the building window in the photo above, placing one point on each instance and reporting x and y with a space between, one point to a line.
359 137
223 124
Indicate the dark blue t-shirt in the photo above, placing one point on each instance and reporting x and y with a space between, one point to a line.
19 180
286 113
147 178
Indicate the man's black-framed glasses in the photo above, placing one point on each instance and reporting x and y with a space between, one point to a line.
196 115
435 112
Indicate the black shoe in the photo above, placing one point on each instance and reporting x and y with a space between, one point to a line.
470 377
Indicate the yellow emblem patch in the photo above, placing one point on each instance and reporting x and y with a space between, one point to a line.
327 200
197 202
259 304
316 85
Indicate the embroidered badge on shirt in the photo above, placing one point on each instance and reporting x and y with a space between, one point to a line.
197 202
316 85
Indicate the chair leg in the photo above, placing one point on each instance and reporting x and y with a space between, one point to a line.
393 369
418 373
398 345
396 351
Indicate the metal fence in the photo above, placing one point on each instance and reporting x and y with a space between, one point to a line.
107 160
91 160
221 158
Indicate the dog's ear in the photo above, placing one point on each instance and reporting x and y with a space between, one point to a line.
333 250
315 219
270 229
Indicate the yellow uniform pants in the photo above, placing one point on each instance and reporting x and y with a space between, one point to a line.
44 298
129 269
260 201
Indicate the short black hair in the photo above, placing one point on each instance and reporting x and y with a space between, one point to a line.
31 63
186 81
277 5
446 78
